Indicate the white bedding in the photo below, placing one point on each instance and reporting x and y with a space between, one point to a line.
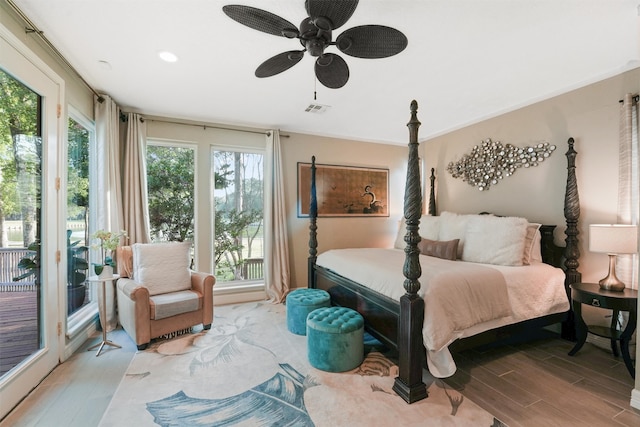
456 305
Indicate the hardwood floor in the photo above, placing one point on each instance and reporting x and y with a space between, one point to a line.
538 384
18 327
532 384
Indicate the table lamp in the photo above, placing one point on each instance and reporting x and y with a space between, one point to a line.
613 239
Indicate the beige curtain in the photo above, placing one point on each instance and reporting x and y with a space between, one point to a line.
628 194
135 202
276 247
108 205
628 183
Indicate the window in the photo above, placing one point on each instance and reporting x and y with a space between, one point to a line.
80 136
171 189
238 215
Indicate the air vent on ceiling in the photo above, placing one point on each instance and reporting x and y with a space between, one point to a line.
316 108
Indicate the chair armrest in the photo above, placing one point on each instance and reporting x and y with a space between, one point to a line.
202 282
133 290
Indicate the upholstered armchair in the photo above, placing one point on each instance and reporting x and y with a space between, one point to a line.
157 293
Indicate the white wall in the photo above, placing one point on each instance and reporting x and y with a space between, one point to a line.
590 115
341 232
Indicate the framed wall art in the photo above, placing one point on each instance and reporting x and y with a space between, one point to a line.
344 190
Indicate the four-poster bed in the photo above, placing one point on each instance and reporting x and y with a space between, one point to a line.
400 322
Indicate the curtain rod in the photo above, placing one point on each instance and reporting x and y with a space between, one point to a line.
205 126
634 98
32 28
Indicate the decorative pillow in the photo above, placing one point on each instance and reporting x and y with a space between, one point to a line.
429 226
162 267
536 250
495 240
453 226
529 242
445 250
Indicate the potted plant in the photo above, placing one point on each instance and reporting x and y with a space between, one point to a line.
31 263
107 243
77 266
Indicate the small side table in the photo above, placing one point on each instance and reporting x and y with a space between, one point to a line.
627 300
102 311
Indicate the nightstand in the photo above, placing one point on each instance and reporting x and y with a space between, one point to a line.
627 300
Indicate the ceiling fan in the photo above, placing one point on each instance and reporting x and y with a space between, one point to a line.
315 35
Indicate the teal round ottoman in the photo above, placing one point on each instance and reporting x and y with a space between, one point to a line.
300 303
335 339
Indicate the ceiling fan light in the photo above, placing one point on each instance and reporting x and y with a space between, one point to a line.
315 47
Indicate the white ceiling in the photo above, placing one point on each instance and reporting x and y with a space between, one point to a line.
466 61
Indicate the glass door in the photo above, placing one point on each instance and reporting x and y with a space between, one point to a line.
29 296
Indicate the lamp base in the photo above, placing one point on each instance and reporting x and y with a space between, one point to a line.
611 282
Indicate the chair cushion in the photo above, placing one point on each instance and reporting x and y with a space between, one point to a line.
171 304
162 267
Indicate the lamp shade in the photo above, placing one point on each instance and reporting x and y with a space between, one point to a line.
613 238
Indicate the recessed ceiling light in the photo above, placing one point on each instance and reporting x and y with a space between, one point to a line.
104 65
167 56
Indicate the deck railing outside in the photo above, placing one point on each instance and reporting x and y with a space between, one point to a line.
252 268
9 259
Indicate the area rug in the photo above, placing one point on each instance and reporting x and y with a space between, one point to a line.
249 370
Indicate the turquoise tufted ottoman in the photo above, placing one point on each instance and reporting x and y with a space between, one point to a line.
335 339
300 303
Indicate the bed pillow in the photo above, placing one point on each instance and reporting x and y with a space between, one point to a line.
530 242
445 250
495 240
453 226
402 230
429 226
536 250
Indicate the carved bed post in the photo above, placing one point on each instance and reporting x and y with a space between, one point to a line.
313 233
572 251
432 193
409 383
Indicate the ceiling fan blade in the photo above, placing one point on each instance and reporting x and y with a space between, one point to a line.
261 20
279 63
337 11
371 41
332 71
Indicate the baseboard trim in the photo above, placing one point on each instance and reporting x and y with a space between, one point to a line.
79 337
239 297
635 398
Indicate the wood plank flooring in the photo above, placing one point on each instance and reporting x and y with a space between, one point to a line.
18 327
538 384
531 384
